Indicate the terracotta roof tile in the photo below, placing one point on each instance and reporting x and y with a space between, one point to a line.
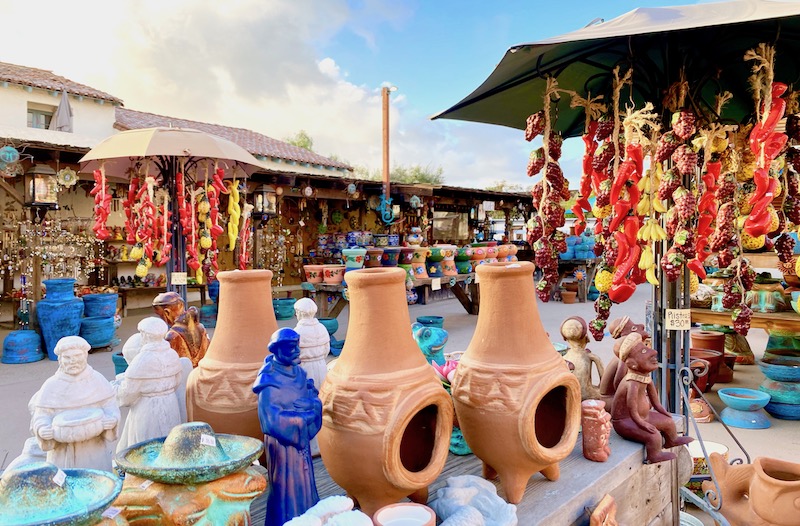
40 78
253 142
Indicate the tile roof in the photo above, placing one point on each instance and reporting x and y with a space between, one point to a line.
47 80
255 143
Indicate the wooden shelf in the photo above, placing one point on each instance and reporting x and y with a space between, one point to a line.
781 321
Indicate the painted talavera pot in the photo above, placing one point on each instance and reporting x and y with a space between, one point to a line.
386 420
314 273
354 257
516 401
219 390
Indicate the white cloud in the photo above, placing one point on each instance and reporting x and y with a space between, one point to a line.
255 65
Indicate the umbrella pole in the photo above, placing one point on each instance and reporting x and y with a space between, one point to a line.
177 262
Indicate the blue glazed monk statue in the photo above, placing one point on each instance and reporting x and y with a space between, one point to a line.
290 413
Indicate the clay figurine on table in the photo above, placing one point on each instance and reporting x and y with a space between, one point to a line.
576 333
186 334
75 413
431 341
290 413
615 370
315 345
637 414
149 387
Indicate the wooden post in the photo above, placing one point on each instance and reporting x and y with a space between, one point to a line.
385 102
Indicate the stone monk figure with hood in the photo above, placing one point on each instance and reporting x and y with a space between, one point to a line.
75 413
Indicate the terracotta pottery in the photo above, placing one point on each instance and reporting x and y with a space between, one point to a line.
220 390
478 253
334 274
595 430
419 270
569 296
711 340
373 257
390 257
386 420
449 268
406 255
714 359
502 252
420 255
491 252
313 273
515 398
512 249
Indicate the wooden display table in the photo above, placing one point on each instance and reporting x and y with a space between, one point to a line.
771 321
463 287
124 292
566 267
646 494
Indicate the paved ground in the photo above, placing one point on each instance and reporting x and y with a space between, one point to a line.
19 382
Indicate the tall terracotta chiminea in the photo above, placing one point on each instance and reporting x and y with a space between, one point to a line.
517 403
220 389
386 419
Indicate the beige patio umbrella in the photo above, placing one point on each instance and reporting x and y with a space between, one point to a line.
169 150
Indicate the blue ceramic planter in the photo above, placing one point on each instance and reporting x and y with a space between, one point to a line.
434 269
98 331
744 408
120 364
781 369
100 305
213 291
783 411
59 313
781 392
22 347
284 308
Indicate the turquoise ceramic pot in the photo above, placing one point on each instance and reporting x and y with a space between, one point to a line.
284 308
98 331
781 392
22 347
783 411
745 408
354 258
208 316
431 321
59 313
780 369
100 304
213 290
120 364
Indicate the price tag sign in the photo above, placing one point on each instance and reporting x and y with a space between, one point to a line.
208 440
59 478
178 278
112 512
678 319
146 484
436 283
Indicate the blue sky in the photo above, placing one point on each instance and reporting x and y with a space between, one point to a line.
280 66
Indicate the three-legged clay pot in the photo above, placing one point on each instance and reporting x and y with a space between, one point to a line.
515 398
219 390
386 420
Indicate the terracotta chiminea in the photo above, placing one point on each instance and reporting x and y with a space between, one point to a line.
220 390
386 419
516 400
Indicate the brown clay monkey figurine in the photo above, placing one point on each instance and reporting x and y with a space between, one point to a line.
615 370
637 414
187 336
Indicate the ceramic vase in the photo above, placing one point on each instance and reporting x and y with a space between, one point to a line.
314 273
59 313
354 258
414 237
386 419
219 390
333 274
516 401
390 256
373 257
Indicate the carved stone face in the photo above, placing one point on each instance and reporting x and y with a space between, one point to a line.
73 361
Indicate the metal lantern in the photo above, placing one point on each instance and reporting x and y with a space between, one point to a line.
266 201
41 187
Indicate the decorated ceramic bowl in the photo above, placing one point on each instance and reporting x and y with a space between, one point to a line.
313 273
333 274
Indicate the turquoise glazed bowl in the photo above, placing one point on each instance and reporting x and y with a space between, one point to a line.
743 399
781 392
284 308
431 321
783 411
780 369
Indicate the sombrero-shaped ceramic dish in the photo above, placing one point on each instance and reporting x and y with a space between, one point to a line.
192 453
40 494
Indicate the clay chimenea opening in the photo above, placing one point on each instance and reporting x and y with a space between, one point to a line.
416 446
551 417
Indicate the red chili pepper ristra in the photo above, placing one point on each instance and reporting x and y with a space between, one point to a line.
696 266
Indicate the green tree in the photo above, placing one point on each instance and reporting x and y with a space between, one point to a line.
414 173
301 139
505 186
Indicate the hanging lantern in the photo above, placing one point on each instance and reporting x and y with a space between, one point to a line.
9 154
266 201
41 187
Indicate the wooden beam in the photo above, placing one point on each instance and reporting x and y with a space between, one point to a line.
11 191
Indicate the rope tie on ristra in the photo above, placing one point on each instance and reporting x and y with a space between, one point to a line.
636 124
675 98
592 107
618 85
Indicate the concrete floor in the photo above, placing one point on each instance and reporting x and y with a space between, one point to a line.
19 382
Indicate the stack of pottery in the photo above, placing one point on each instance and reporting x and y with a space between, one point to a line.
406 260
448 260
97 327
324 243
491 252
340 241
314 273
59 313
463 260
434 262
512 252
715 341
284 308
386 419
373 257
478 255
745 408
714 359
353 238
333 274
782 369
502 252
353 259
418 262
390 256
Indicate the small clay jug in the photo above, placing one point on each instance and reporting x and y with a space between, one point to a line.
386 419
515 398
219 390
775 490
